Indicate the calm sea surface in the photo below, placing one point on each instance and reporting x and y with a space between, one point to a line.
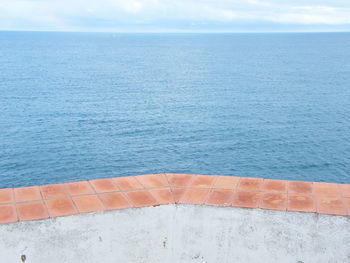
77 106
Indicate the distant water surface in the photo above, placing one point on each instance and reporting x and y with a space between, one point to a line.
77 106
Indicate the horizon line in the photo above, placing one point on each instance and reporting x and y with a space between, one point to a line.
172 32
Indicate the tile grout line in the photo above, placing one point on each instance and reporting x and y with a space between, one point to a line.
44 203
210 189
163 188
145 188
170 189
97 196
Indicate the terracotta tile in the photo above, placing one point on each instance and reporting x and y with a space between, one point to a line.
194 196
220 197
250 184
332 205
344 190
88 203
274 201
203 181
141 198
27 194
6 196
347 205
295 187
301 203
8 214
326 189
32 211
177 193
226 182
61 207
152 180
127 183
180 180
113 201
274 186
53 191
104 185
79 188
163 196
246 199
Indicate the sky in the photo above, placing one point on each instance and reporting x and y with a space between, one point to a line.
175 15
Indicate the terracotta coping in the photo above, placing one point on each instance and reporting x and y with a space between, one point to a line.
49 201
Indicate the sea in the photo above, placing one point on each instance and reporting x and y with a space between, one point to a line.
80 106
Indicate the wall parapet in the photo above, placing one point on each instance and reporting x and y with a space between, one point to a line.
57 200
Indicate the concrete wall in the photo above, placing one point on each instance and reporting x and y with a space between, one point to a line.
179 233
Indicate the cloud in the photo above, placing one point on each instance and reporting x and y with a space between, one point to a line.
169 15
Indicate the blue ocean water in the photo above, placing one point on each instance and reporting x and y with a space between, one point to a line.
77 106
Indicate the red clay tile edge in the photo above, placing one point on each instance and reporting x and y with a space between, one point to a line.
35 203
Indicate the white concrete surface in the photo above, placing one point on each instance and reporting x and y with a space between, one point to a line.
179 233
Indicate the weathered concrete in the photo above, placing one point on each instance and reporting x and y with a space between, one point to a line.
179 233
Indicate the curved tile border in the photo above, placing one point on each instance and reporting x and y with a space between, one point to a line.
49 201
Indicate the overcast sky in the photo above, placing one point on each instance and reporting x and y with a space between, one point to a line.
175 15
